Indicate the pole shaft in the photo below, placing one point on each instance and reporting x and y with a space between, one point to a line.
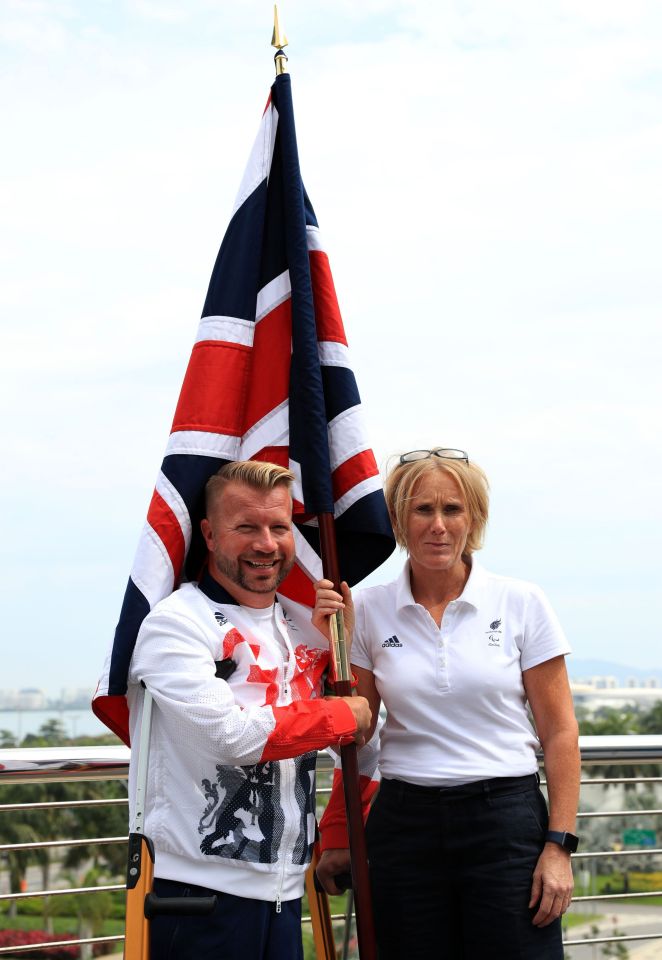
350 769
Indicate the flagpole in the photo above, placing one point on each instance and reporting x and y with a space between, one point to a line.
349 755
330 567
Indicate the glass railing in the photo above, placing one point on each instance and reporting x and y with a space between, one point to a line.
617 909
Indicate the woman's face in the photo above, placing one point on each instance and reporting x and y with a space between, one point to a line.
438 523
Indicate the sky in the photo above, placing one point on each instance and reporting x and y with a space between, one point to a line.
487 180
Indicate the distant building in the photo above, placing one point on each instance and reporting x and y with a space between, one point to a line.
603 683
75 698
8 699
31 699
600 692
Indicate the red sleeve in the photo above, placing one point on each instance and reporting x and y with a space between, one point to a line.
308 725
333 825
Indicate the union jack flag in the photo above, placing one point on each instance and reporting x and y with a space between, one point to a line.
268 379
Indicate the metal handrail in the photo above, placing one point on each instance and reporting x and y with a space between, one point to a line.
50 844
594 854
621 749
21 765
41 764
76 764
102 888
44 764
617 813
62 804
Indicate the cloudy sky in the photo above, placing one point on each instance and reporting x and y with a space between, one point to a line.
487 178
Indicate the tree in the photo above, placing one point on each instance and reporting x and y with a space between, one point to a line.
102 821
16 830
92 909
52 733
608 721
650 722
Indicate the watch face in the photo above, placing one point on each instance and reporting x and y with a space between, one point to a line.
570 842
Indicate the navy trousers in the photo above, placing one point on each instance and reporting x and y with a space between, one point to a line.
239 928
451 871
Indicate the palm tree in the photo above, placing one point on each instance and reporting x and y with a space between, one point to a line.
17 831
92 909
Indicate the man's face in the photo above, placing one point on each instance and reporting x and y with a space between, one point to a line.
249 537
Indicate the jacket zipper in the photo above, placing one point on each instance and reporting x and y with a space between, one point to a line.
287 766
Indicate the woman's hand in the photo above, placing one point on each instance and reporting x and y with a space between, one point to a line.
551 890
331 864
327 603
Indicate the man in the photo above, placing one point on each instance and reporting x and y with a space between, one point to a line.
236 676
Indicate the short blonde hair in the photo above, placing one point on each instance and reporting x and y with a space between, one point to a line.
399 490
258 474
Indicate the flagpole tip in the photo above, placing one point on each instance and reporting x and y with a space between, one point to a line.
279 40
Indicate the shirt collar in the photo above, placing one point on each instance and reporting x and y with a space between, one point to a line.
472 594
403 594
212 589
474 588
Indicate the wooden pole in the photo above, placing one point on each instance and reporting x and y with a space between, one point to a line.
349 760
348 754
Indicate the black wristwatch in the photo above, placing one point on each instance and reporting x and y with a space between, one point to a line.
566 840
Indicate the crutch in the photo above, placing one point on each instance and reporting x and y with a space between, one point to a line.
320 914
141 903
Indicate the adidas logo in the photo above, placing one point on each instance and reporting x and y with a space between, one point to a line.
221 619
392 642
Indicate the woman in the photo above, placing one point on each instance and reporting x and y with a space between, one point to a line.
462 864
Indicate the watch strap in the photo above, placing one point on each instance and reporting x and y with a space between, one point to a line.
564 839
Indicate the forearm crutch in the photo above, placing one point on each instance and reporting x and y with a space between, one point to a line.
141 903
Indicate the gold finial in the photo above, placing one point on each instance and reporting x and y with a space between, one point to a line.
279 40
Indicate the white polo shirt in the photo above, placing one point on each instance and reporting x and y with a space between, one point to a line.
455 701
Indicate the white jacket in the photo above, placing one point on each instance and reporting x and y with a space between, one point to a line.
231 784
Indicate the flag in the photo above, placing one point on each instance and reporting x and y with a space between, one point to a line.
268 379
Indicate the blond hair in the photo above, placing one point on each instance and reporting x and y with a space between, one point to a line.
399 490
258 474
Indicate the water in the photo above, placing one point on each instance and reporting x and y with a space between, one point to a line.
77 723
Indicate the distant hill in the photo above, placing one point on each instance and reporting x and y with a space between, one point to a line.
583 669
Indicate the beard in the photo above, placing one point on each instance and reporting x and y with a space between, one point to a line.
254 580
